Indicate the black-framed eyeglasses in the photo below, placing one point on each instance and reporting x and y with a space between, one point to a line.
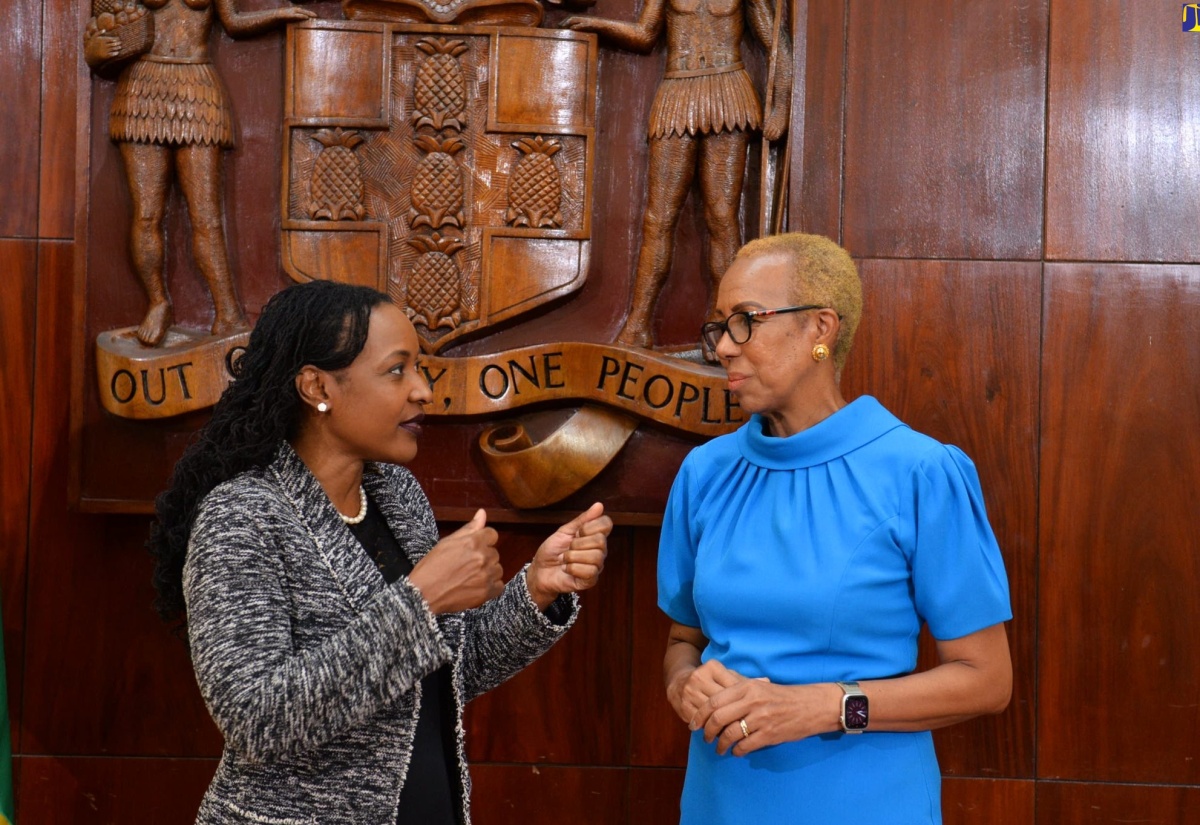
739 325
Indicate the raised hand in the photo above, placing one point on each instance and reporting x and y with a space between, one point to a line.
572 558
462 570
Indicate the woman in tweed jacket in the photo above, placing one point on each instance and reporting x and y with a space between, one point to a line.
322 676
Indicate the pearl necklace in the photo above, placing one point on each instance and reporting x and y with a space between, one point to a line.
362 508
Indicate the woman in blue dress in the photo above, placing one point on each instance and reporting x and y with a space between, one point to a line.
800 557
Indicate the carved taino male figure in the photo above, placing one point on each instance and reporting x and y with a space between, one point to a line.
703 115
171 118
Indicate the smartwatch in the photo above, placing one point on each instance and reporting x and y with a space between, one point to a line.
855 708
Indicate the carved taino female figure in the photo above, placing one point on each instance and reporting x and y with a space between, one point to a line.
703 114
171 118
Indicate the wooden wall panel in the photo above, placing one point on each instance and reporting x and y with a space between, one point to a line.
944 129
657 736
952 349
73 790
654 796
581 684
18 269
542 795
987 801
106 676
20 95
1120 549
1123 173
111 678
62 68
49 430
815 200
1078 803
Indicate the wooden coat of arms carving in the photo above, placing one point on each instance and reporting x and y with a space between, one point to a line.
448 166
442 153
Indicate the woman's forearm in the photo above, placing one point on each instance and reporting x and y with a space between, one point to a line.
684 647
973 679
505 635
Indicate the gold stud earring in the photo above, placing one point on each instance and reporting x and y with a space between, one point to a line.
820 352
322 407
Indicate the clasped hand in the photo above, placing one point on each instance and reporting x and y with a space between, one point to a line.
717 700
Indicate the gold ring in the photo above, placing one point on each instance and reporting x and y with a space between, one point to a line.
745 730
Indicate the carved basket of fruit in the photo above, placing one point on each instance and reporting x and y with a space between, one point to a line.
130 23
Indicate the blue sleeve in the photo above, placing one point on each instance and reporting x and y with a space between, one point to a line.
677 550
959 580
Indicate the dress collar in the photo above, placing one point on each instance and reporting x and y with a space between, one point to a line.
858 423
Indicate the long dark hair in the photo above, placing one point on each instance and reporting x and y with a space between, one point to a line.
319 323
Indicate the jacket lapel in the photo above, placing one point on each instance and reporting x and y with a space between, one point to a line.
395 513
403 523
337 550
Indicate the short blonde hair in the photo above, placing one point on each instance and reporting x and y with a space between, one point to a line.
821 273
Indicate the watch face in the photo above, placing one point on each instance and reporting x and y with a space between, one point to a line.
856 712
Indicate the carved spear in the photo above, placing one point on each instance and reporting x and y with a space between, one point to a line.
773 181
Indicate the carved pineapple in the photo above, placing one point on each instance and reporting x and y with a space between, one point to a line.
535 188
434 289
440 90
337 184
437 188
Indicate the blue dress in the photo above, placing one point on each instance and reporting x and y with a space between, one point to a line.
816 558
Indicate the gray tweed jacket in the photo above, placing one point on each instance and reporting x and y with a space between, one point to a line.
311 665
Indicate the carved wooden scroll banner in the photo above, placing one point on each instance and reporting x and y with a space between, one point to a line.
188 370
575 452
641 384
652 386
